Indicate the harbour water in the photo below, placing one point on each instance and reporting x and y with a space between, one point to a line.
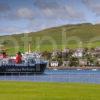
78 76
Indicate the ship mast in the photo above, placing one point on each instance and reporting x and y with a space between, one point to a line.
29 47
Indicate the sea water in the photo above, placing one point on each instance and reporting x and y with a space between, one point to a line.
78 76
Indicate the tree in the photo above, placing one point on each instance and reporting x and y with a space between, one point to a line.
74 61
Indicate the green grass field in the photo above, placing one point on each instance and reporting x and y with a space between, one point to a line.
48 91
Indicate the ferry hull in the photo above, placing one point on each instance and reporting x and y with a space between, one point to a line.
23 69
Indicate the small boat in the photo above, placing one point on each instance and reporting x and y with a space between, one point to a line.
94 69
31 64
79 69
55 69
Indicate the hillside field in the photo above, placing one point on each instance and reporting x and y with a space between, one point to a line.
69 36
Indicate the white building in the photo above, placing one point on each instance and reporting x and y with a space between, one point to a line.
78 53
54 63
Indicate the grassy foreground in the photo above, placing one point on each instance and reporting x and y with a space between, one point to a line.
48 91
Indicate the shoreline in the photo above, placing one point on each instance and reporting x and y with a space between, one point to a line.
75 68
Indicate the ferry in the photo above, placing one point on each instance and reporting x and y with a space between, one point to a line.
31 64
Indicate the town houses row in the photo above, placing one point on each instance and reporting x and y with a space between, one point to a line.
73 57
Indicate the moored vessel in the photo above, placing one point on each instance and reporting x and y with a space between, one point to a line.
31 64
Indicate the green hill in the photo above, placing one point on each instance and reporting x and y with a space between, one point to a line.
71 36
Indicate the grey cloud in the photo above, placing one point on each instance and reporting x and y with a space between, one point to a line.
25 13
93 5
43 4
58 9
73 12
4 7
65 12
20 13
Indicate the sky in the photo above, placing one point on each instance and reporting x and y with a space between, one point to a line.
23 16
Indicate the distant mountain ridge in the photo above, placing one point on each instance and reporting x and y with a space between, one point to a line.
85 32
